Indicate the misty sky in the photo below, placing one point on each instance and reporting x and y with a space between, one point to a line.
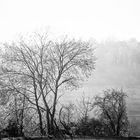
99 19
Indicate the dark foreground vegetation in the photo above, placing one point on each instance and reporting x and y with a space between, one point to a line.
34 74
81 138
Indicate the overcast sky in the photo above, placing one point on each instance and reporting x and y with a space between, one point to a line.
99 19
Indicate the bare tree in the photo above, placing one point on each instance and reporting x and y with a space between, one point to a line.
85 106
22 69
113 113
66 119
70 62
43 67
66 113
84 111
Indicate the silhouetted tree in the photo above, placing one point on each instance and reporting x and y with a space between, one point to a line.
113 112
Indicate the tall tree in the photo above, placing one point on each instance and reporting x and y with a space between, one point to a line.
71 62
42 67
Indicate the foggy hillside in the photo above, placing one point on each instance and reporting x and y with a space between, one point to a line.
119 62
118 65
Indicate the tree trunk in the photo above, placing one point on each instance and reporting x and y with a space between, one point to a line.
48 122
38 110
53 115
40 118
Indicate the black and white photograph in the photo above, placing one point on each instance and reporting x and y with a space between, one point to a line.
69 69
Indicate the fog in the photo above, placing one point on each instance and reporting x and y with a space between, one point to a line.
117 66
